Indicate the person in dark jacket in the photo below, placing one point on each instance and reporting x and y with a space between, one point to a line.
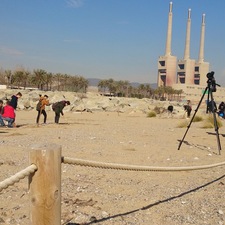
58 109
14 100
1 107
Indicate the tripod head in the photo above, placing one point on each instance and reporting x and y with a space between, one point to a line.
211 81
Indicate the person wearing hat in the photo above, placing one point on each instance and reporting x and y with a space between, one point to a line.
58 109
43 101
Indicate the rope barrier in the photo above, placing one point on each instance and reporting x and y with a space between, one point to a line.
89 163
81 162
17 177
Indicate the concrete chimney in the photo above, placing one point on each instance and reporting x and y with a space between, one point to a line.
202 41
169 31
188 36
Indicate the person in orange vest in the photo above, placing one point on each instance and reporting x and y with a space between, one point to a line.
43 101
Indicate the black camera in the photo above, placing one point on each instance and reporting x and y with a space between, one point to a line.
211 81
210 75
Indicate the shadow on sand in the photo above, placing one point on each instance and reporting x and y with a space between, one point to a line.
153 204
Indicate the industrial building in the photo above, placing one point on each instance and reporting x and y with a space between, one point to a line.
186 74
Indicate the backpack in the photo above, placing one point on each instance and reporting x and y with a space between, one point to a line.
170 108
38 106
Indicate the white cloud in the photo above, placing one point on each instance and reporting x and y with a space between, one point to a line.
74 3
9 51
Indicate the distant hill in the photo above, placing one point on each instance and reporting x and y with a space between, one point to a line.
94 82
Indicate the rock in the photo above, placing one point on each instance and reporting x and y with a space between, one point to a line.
93 102
105 214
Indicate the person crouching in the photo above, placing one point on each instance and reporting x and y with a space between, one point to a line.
58 109
8 115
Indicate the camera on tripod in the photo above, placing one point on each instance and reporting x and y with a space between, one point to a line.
211 81
211 87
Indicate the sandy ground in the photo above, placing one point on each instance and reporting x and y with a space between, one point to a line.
115 197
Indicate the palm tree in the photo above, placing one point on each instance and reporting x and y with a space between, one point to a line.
126 85
49 80
18 77
141 90
64 81
9 74
39 78
102 84
58 78
25 78
148 90
159 92
111 84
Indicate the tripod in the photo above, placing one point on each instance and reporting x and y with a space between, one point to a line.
211 87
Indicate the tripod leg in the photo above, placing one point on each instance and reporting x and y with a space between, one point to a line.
215 122
207 103
192 117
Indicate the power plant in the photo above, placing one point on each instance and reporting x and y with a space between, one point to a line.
186 71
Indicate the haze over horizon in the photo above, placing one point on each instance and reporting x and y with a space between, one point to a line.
118 39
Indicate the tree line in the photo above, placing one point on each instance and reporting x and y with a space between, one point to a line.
125 89
43 80
46 81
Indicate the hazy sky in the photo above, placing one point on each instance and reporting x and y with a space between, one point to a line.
119 39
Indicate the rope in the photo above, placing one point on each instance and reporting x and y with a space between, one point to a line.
17 177
82 162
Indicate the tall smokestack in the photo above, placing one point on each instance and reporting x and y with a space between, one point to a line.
188 36
202 41
169 31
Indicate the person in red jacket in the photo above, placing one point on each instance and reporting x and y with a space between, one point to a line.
8 115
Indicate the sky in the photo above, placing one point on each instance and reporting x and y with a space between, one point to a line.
118 39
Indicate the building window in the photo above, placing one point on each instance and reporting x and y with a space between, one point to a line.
162 63
181 66
197 69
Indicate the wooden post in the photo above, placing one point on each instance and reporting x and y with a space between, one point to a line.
45 186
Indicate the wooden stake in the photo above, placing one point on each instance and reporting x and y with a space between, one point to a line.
45 186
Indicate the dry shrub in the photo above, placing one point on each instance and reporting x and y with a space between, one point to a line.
151 114
197 118
183 124
209 122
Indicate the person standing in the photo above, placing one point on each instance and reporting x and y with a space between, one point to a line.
188 108
43 101
58 109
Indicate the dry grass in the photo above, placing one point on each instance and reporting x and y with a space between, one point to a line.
151 114
198 118
209 122
183 124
